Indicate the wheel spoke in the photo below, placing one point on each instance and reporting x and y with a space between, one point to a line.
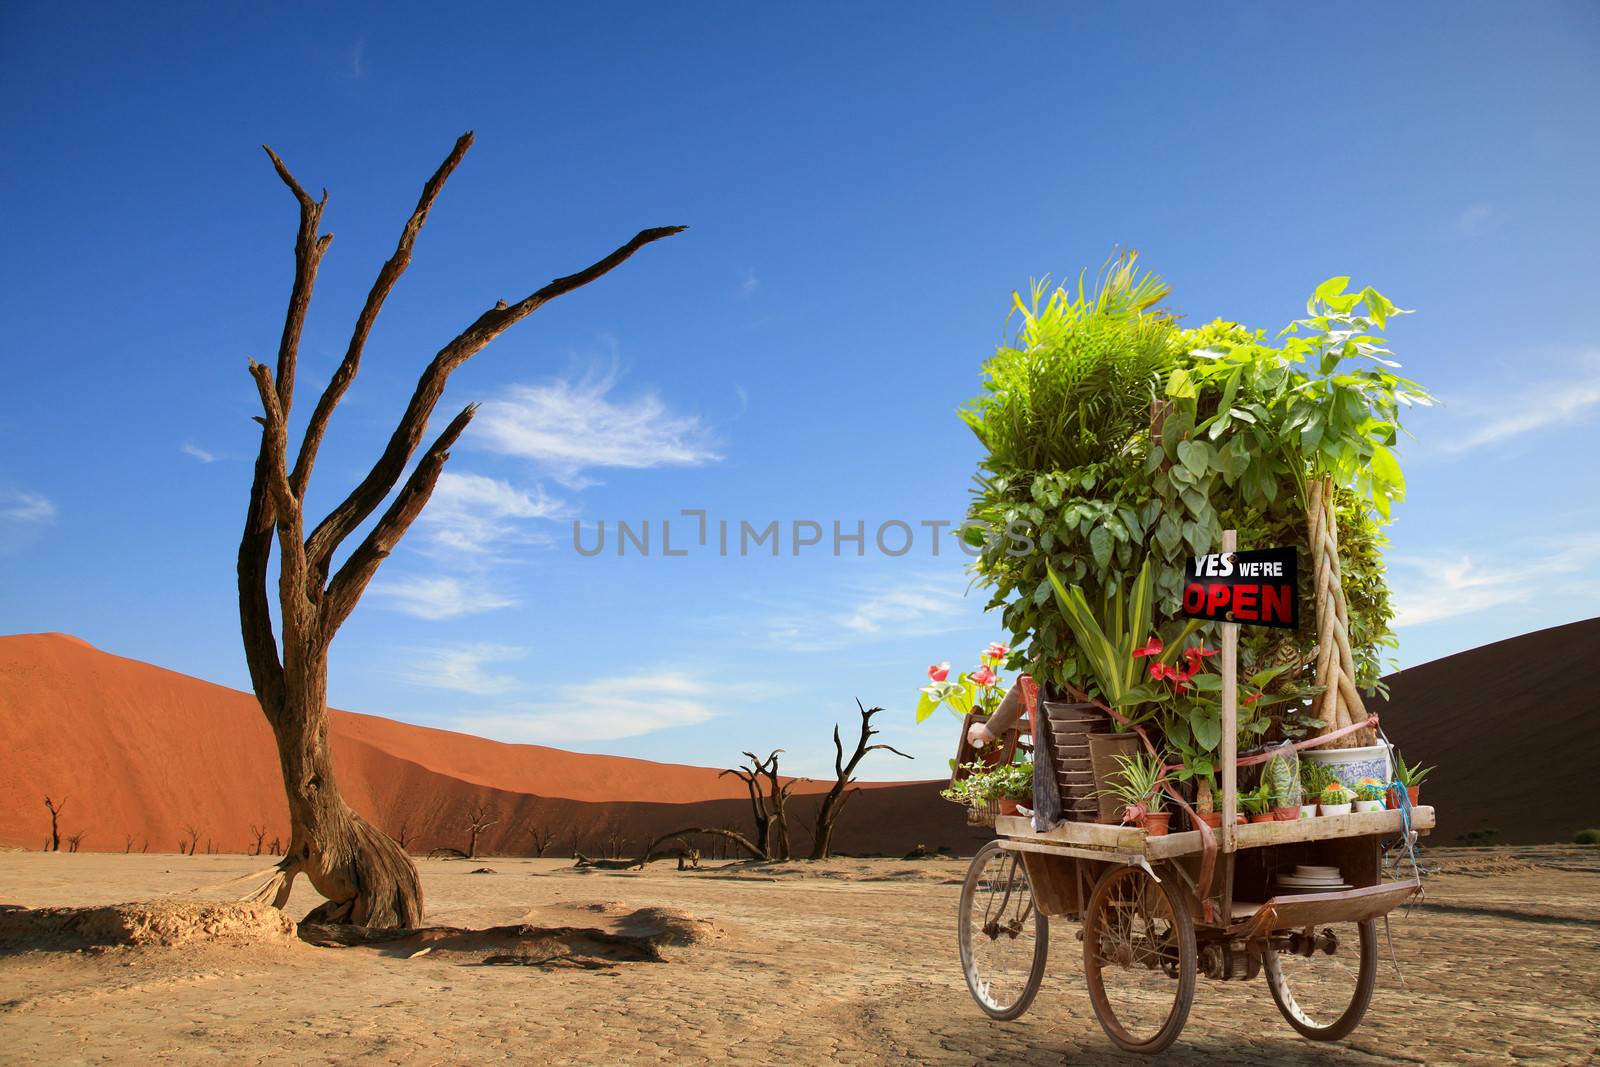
1139 957
1322 977
1003 938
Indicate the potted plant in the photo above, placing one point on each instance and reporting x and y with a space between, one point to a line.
1139 784
1369 794
1282 772
1013 784
1314 778
1257 803
1410 776
984 786
1335 799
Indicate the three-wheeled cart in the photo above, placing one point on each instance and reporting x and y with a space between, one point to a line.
1157 912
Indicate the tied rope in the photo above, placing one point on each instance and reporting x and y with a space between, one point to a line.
1407 835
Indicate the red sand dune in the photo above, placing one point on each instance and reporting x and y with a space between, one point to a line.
147 752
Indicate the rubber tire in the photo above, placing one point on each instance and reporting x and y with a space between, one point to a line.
1188 961
1365 983
1041 934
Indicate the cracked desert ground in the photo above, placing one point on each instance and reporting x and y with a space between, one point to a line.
850 961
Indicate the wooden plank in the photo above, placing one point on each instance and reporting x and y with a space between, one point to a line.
1055 882
1078 852
1311 909
1263 834
1097 834
1230 722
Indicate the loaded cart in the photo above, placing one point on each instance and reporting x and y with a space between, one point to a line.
1294 902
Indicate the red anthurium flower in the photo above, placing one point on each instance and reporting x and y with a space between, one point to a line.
939 672
1252 698
1151 647
1159 671
984 677
1197 653
997 649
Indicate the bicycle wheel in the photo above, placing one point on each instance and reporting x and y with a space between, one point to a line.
1139 958
1322 978
1003 936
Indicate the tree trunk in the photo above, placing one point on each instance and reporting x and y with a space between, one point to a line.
366 877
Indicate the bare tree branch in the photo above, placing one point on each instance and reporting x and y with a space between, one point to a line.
366 497
388 275
834 800
347 586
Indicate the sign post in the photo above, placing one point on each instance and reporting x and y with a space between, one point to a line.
1230 714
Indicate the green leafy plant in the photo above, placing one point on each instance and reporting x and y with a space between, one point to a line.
1410 775
980 689
1587 837
1370 789
983 784
1138 784
1335 793
1257 801
1315 777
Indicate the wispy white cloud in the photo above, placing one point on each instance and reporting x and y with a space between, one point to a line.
572 426
915 606
472 513
1447 587
1548 402
439 598
602 709
461 668
749 283
18 506
191 449
1475 220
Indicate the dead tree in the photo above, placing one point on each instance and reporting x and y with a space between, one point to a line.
367 879
277 846
654 849
258 834
402 836
193 833
478 820
55 808
768 799
127 844
834 800
540 838
74 841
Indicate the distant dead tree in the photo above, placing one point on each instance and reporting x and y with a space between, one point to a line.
74 841
768 797
479 819
55 809
834 801
257 834
720 834
367 878
402 836
277 846
146 846
127 845
193 833
540 838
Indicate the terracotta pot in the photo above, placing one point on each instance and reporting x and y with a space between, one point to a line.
1411 795
1008 806
1156 823
1265 816
1289 813
1212 819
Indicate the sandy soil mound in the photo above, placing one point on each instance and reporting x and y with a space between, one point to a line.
159 922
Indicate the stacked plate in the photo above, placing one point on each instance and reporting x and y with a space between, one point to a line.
1311 880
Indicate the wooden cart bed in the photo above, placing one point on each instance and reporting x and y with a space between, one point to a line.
1091 840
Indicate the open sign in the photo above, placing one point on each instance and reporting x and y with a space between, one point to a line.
1258 588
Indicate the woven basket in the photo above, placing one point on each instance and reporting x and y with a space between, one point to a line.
985 815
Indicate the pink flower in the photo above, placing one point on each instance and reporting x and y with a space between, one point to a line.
997 649
984 677
1151 647
939 672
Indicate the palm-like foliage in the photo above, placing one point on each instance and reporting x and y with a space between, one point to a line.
1081 375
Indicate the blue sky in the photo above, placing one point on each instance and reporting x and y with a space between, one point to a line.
865 189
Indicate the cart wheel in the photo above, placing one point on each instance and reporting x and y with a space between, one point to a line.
1322 978
1004 938
1139 958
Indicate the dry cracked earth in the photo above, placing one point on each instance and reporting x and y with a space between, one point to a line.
848 962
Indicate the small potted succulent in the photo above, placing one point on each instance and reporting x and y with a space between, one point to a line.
1410 776
1257 803
1369 794
1139 785
1335 799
